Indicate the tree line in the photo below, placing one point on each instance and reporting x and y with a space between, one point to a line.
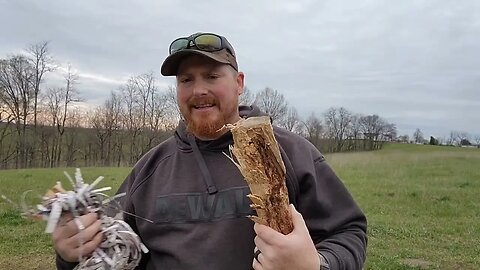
455 138
49 126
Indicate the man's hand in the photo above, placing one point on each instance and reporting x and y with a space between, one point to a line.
72 243
293 251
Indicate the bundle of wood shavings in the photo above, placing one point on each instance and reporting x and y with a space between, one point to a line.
121 247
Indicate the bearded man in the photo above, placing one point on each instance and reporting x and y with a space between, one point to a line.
196 197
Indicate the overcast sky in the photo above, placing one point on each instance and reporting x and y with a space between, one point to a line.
416 63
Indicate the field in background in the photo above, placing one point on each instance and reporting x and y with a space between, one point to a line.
422 204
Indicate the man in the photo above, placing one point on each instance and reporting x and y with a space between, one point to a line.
196 196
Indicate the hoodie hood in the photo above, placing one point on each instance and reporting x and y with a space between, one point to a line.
181 134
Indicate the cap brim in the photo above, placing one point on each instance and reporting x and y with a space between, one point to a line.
172 62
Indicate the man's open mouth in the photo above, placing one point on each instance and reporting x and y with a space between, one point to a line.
203 106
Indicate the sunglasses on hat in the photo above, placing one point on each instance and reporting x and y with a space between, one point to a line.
206 42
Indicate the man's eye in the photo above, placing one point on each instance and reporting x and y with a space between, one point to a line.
185 80
213 76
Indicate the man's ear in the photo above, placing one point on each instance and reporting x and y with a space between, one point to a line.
240 82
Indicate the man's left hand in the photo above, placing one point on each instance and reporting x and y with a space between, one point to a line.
292 251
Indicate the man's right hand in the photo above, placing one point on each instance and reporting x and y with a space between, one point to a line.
71 243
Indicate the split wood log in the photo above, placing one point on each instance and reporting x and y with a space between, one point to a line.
260 162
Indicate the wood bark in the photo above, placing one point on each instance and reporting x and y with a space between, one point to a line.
258 157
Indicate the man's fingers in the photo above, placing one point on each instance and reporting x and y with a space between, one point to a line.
256 265
83 221
71 228
86 241
260 244
268 235
88 219
77 237
88 247
86 234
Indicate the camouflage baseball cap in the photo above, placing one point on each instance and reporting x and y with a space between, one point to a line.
210 45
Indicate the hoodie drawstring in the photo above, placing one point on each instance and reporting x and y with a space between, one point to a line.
211 188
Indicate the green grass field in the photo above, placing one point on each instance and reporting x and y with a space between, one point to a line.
422 204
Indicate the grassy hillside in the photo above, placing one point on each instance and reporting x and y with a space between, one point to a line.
421 202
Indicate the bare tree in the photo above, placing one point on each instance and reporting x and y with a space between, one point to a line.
313 130
157 111
52 143
451 139
16 81
72 137
456 138
147 106
418 136
441 140
130 122
173 111
337 122
477 140
291 121
247 97
69 94
156 108
404 138
389 132
354 132
272 102
58 102
42 63
132 118
106 122
144 87
375 130
7 150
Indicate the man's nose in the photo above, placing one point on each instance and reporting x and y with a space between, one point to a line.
199 88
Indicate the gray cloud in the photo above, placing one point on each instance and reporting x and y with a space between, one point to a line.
414 62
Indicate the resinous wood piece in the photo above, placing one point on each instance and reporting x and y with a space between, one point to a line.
260 162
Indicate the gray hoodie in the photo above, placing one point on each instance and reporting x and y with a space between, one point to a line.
197 199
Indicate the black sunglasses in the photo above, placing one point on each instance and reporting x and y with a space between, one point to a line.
207 42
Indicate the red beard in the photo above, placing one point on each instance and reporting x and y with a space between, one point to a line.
204 126
205 129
